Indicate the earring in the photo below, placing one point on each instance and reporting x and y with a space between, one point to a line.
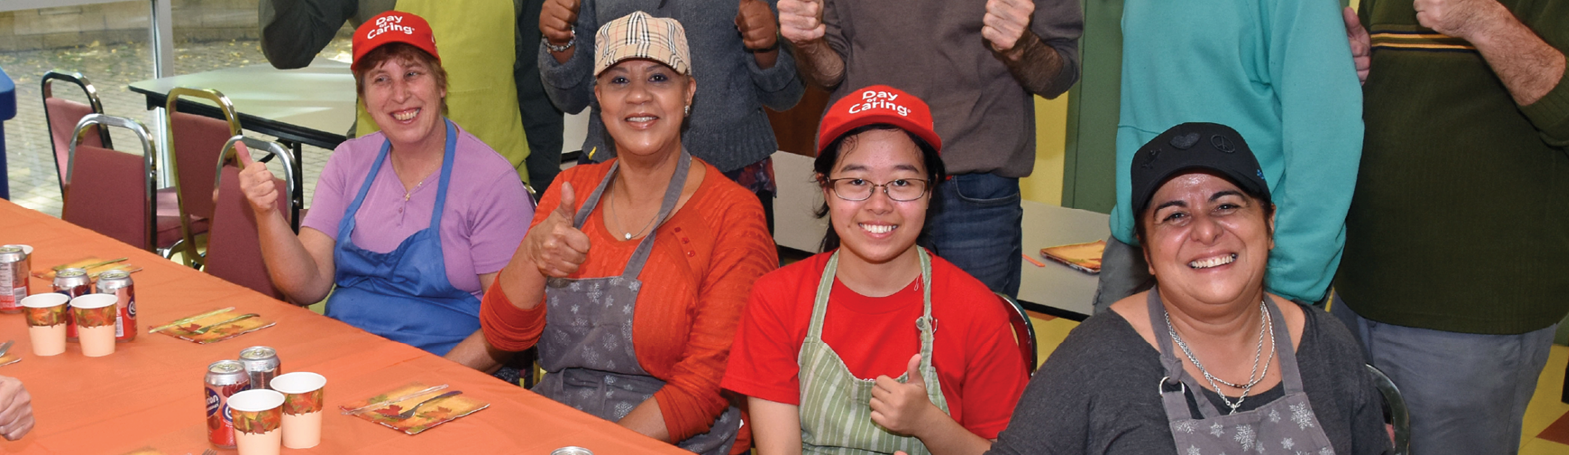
688 110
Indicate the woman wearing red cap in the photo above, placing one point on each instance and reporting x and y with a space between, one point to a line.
635 272
842 352
410 223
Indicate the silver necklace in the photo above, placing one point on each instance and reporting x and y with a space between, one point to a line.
1266 326
616 214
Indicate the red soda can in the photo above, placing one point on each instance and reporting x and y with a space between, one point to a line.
118 283
14 266
224 379
72 282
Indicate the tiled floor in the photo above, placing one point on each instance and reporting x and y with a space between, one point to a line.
1546 427
111 68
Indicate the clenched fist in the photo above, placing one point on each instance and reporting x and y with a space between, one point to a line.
1458 18
1006 22
556 19
801 21
756 23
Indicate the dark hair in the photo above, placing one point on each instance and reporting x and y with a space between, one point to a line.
404 53
824 165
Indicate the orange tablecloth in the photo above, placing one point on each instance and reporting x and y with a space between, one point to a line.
148 393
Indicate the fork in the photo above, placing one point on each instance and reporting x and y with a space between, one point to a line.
209 452
410 412
208 327
4 348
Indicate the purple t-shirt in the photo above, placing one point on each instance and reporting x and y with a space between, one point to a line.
487 208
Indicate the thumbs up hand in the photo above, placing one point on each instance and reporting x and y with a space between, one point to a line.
555 246
756 23
1006 21
902 408
556 19
256 182
801 21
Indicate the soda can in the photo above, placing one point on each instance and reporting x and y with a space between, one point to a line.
571 450
14 266
261 363
72 282
118 283
224 379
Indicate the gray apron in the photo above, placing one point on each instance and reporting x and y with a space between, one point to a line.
586 346
1284 426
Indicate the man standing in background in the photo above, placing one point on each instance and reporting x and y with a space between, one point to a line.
977 65
489 49
1456 267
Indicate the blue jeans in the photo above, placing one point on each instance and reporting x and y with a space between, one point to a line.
1467 392
977 228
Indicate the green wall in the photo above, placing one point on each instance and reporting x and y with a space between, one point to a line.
1088 180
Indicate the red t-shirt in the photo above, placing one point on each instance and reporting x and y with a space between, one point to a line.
974 351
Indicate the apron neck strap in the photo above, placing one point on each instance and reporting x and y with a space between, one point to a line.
667 205
447 157
926 324
1290 376
1169 361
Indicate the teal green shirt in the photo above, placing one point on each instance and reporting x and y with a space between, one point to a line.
1280 73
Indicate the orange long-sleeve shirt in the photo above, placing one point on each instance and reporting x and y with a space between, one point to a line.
695 284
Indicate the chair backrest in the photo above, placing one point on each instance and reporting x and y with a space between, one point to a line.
233 247
1023 332
196 144
1399 415
113 194
62 115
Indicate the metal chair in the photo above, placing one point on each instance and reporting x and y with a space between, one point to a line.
233 247
1397 413
197 142
1023 332
62 115
113 194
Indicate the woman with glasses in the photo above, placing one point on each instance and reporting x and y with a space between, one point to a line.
875 345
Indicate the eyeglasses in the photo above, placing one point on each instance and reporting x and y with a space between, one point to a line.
900 190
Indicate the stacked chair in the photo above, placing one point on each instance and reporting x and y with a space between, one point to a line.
113 191
63 114
196 144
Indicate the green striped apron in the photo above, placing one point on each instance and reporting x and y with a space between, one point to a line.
836 411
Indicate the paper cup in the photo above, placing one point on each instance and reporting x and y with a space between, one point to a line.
46 322
302 403
95 317
257 415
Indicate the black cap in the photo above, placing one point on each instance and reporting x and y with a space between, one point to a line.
1194 147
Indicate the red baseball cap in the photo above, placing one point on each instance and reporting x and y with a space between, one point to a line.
393 27
878 104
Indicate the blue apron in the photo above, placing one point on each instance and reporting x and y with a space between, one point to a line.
404 294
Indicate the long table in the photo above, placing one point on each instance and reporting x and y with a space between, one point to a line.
146 395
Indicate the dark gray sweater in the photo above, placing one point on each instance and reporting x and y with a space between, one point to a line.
1097 394
728 127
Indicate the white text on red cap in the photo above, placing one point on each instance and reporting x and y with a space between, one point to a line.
386 24
879 100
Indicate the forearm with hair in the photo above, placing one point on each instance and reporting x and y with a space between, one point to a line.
1034 64
1527 65
819 65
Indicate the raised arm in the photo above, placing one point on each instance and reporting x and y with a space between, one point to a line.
772 66
293 31
1528 66
568 75
1039 45
300 266
806 25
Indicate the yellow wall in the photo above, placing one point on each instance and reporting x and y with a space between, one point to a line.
1051 134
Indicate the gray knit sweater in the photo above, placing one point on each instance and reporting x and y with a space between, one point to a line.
728 127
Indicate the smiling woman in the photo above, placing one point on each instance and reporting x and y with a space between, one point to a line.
440 209
1237 371
824 339
636 329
